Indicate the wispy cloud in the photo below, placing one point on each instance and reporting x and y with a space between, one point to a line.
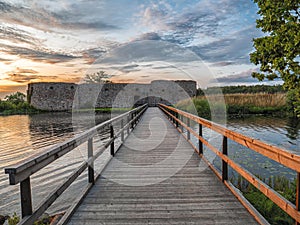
21 75
39 55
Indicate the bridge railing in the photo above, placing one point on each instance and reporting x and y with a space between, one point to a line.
20 173
281 156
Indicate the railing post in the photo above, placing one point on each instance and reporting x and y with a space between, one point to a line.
173 119
112 145
91 163
26 201
188 132
181 119
128 125
224 164
200 142
298 195
132 123
122 133
176 114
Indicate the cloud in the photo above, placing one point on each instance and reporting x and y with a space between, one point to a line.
16 35
21 75
40 16
6 61
149 36
148 51
243 77
39 55
222 63
235 48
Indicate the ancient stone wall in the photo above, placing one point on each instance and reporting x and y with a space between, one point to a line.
64 96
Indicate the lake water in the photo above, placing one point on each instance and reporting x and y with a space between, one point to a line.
23 136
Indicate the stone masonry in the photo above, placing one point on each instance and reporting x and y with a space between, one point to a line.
65 96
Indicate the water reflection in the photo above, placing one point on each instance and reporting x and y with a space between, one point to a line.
293 127
23 136
282 132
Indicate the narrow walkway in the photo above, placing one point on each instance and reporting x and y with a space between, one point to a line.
156 178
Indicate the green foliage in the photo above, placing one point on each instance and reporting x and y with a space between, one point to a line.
278 52
16 98
242 89
265 206
201 106
293 100
13 220
16 104
97 78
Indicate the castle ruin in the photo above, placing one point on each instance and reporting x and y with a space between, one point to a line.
58 96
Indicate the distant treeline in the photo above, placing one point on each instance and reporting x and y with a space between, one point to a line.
241 89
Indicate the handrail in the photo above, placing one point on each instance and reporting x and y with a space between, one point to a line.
21 172
281 156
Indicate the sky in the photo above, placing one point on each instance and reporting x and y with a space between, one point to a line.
132 40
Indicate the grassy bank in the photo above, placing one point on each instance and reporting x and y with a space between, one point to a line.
9 108
16 104
238 105
265 206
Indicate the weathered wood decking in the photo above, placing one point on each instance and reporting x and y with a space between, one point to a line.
156 178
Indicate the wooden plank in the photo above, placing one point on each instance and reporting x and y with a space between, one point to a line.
191 195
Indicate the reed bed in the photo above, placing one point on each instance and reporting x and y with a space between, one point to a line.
236 104
256 99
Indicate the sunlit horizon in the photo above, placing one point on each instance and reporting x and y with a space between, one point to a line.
42 41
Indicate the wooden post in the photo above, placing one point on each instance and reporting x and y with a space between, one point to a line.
91 163
26 201
128 127
200 142
173 118
132 123
112 145
122 133
224 164
181 119
298 196
176 114
188 132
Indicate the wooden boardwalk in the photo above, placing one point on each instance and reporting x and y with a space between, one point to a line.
156 178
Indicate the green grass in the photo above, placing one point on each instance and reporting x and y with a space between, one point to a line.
9 108
268 209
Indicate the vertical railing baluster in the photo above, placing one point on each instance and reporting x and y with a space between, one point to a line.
132 123
176 114
200 144
173 118
224 164
298 195
122 132
91 163
188 132
112 145
26 201
128 125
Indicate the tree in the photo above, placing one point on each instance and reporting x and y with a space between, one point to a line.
16 98
278 53
99 77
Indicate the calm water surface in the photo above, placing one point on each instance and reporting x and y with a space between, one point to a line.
23 136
